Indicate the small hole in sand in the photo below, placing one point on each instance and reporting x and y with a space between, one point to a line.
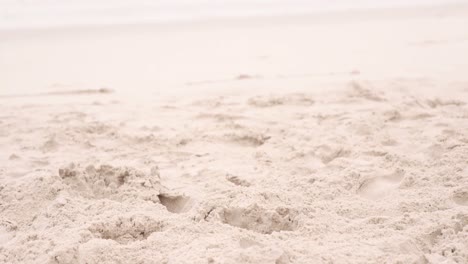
175 203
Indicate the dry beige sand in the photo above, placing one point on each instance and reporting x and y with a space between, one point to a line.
338 138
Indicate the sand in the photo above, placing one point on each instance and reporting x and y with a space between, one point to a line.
310 140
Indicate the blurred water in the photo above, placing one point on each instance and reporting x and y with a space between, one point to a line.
46 13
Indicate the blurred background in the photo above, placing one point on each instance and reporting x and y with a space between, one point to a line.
44 13
198 46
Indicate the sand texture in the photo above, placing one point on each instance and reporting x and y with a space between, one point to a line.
354 174
359 158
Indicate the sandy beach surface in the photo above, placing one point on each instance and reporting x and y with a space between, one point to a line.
327 138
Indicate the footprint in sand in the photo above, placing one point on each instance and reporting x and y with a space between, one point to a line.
329 153
380 186
237 181
258 219
461 197
176 203
108 182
